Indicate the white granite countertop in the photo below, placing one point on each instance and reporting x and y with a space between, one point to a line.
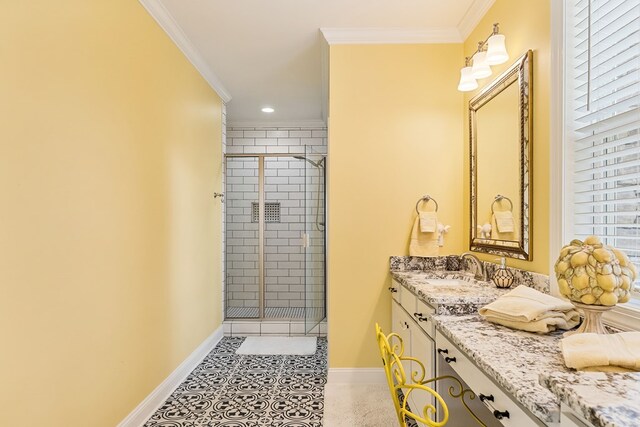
514 359
603 399
526 365
446 298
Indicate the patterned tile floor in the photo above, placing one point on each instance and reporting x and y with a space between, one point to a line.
230 390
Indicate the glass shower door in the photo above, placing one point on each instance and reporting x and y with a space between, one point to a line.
284 255
315 290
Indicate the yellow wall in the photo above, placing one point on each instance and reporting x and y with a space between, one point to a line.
526 25
398 129
110 151
395 134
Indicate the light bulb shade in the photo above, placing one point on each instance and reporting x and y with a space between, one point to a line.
467 82
480 68
497 52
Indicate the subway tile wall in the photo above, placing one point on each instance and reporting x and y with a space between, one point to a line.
299 188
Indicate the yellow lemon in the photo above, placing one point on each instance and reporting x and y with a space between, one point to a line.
561 267
606 281
621 256
626 282
563 286
602 255
580 282
592 240
579 259
608 298
588 299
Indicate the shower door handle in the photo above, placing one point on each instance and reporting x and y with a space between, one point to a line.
305 240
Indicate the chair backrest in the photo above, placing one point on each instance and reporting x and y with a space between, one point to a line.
392 351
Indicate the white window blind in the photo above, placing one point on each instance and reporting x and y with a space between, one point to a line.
603 92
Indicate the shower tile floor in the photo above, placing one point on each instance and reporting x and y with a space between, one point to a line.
230 390
274 313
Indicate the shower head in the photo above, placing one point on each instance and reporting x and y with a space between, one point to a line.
318 164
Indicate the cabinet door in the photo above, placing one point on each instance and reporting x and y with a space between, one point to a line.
423 349
401 326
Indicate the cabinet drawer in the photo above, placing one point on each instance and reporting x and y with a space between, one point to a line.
568 418
396 290
483 386
423 316
408 300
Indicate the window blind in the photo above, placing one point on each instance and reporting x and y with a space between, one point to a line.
603 70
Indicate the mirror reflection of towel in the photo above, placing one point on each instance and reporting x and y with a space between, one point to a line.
504 221
428 222
498 235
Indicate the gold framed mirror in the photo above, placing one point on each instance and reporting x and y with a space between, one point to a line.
500 135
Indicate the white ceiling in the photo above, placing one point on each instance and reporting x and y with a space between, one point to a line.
269 52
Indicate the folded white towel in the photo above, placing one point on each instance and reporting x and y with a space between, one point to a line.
428 222
589 350
525 304
505 221
423 244
567 320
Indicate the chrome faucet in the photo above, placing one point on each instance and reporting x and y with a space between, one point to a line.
480 271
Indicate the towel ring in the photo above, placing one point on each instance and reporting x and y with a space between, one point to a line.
500 198
426 198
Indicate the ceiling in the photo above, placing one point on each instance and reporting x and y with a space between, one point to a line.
258 53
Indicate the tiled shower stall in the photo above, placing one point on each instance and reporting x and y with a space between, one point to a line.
285 293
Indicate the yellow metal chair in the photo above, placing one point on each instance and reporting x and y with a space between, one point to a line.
392 352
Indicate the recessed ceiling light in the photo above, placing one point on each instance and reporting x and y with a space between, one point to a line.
268 110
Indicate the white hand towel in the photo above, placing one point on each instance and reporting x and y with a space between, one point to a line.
582 351
505 221
428 222
525 304
423 244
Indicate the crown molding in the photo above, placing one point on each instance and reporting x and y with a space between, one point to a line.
162 16
284 124
472 18
324 82
335 36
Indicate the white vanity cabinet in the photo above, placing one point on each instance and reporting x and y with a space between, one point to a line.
410 325
501 407
412 320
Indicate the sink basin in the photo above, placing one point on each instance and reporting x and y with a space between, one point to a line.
445 282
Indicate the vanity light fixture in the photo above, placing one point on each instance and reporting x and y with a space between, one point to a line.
491 51
467 81
496 50
268 110
480 68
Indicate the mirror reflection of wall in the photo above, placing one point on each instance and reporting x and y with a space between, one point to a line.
498 159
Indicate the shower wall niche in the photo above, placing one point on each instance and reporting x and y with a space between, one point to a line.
275 224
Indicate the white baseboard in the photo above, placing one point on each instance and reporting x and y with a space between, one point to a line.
356 376
153 401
